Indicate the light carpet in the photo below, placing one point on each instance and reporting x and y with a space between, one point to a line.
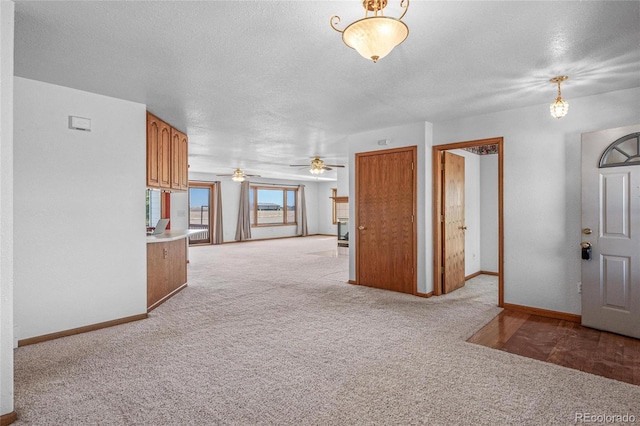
269 332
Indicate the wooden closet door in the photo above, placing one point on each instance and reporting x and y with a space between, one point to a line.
385 219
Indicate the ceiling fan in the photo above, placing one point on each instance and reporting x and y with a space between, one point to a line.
238 175
317 166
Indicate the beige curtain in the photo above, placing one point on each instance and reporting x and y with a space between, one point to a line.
302 222
243 229
218 237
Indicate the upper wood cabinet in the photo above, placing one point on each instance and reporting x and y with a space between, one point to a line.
164 158
153 151
179 166
167 156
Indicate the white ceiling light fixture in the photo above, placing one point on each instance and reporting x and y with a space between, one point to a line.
560 107
374 37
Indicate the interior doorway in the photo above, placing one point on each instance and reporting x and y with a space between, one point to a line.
443 265
201 210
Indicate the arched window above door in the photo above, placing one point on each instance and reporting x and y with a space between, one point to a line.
623 152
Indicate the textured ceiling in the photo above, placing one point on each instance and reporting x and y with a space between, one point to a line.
264 84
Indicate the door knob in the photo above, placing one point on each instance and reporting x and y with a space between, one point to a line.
362 228
464 228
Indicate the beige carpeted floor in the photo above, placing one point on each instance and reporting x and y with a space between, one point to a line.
270 333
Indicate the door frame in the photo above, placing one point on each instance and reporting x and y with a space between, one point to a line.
212 187
414 230
437 207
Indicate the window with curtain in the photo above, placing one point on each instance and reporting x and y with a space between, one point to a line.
273 206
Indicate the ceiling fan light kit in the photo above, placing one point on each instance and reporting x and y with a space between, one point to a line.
374 37
317 166
239 175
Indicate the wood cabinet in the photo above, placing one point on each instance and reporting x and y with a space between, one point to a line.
166 270
167 156
179 166
153 151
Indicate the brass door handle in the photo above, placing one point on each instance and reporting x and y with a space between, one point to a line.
362 228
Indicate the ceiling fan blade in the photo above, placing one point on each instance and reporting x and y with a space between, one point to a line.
326 168
335 165
298 165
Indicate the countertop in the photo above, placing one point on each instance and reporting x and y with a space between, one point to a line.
173 234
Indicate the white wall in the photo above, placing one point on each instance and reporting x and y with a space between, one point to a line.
80 250
489 213
342 185
6 207
231 199
416 134
542 190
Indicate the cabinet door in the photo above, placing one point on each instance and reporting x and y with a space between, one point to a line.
165 155
157 273
175 158
153 151
177 264
179 173
184 162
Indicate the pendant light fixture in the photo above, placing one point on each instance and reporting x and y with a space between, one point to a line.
560 107
374 37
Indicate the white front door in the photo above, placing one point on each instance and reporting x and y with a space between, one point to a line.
611 224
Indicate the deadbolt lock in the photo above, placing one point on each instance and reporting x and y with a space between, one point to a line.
587 231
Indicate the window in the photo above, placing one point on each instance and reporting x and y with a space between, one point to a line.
154 207
622 152
273 206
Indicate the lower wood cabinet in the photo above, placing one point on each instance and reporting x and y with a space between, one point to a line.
166 270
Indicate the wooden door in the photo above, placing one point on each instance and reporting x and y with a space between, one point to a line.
153 154
385 219
611 224
453 223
